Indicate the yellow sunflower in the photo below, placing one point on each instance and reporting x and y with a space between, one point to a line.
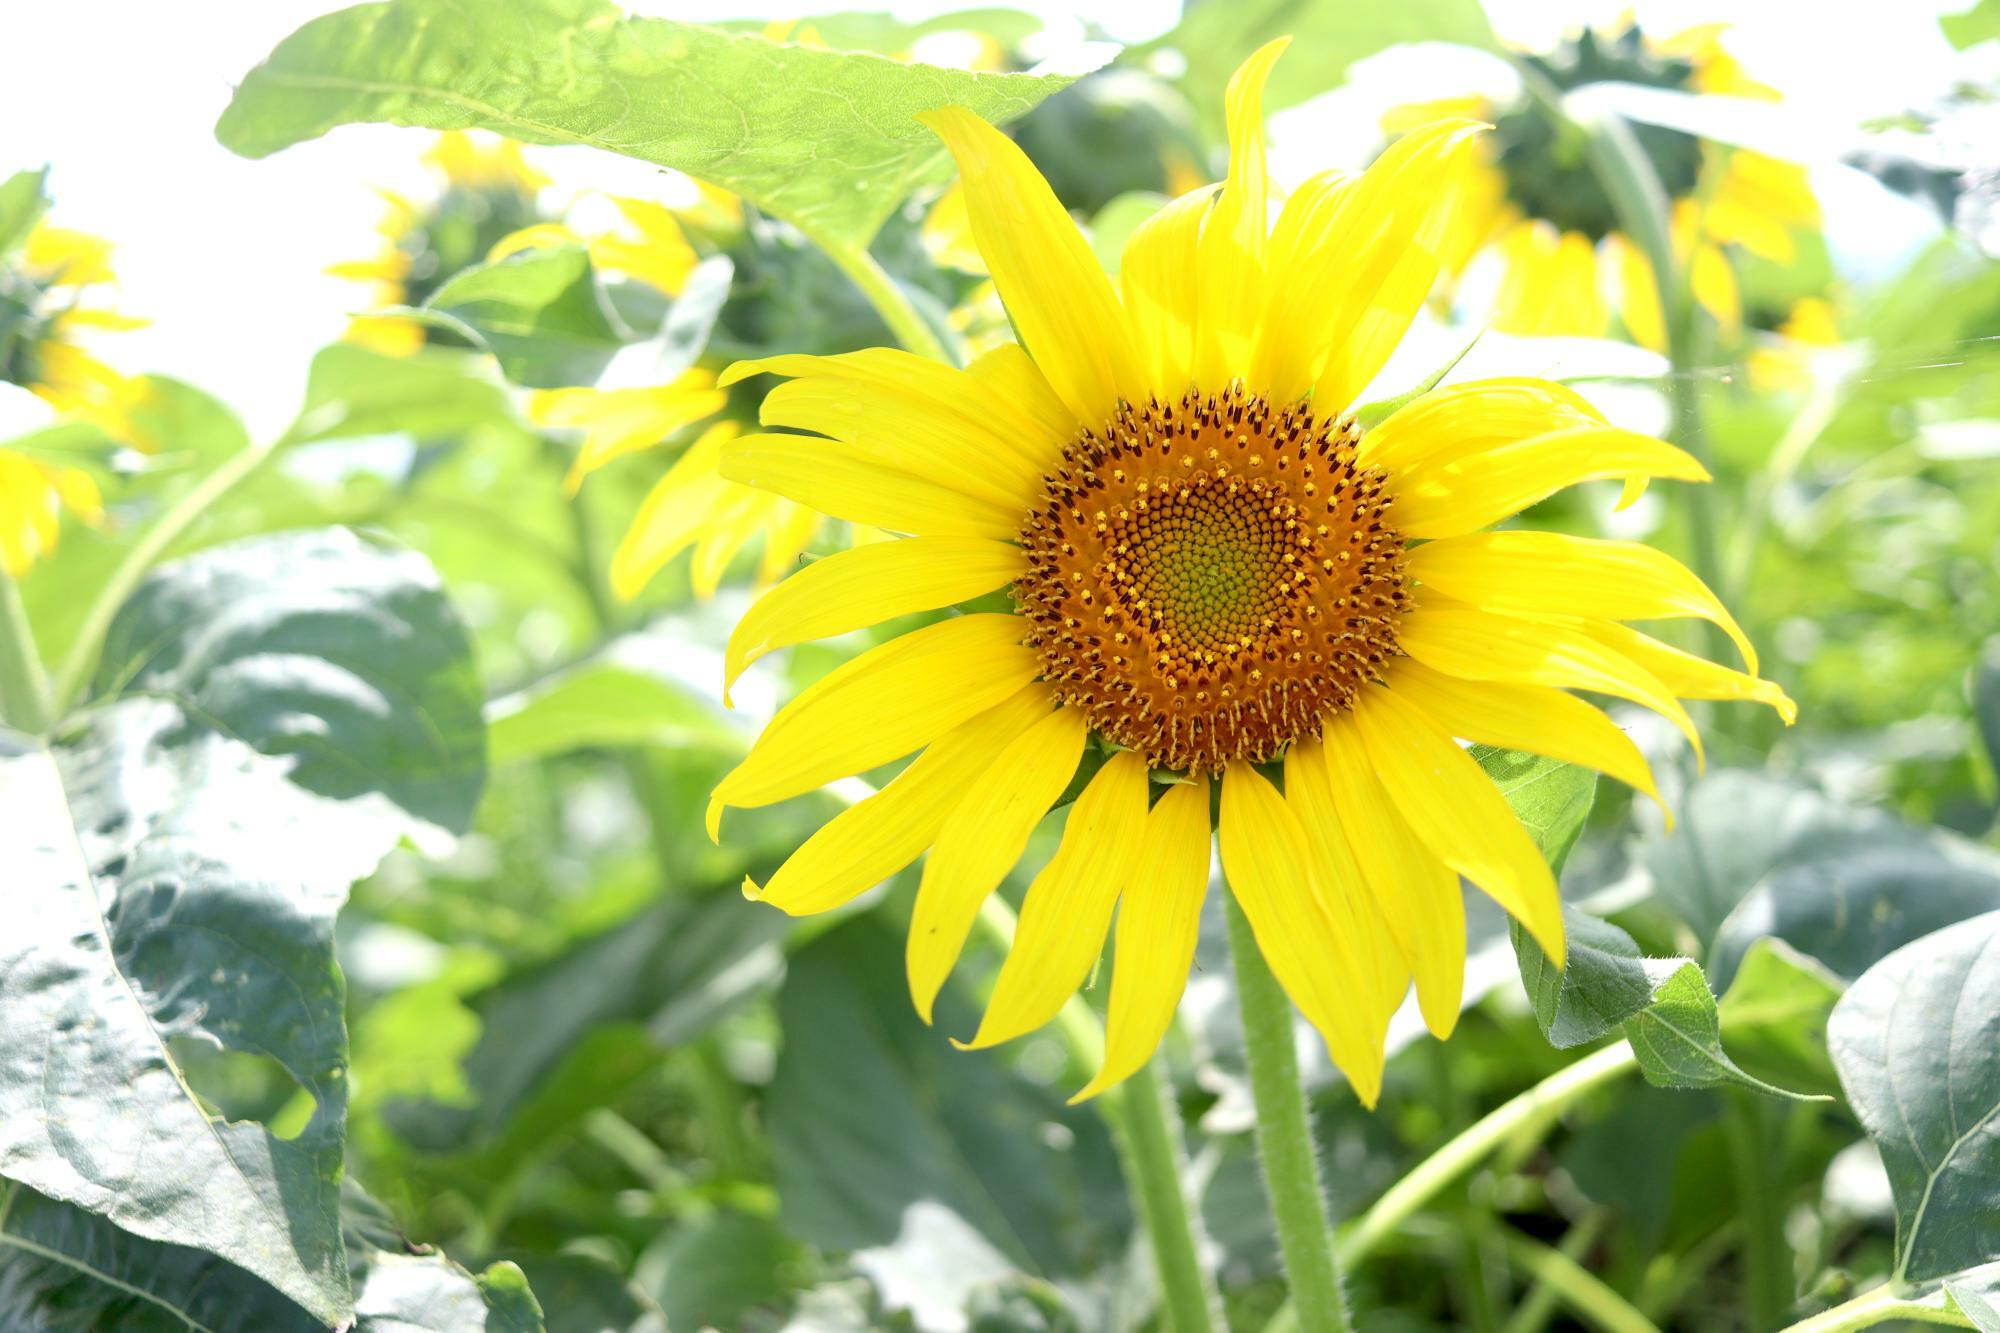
1533 204
488 192
1216 577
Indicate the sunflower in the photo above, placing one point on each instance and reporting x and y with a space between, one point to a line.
1215 579
1533 204
488 192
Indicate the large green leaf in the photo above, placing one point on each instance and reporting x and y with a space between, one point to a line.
272 718
605 704
356 391
1215 36
938 1168
65 1268
827 141
1917 1044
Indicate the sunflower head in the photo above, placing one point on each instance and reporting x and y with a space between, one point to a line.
1215 577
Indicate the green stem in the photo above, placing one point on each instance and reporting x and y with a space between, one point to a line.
1877 1307
889 300
1575 1286
1284 1137
1147 1131
139 561
24 686
1526 1115
1532 1314
1767 1278
1155 1156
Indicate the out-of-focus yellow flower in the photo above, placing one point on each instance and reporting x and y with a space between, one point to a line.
52 280
1572 273
650 248
33 496
616 422
1785 363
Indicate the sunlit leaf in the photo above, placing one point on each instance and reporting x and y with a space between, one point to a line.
1550 798
22 201
1917 1043
355 391
827 141
605 704
542 313
1775 1013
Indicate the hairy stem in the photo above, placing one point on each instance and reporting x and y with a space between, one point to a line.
1284 1137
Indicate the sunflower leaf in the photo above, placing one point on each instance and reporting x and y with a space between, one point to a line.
1917 1042
824 140
542 313
272 717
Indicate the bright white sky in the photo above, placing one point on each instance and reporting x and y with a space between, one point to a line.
224 255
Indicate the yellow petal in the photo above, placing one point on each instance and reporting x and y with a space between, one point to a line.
1060 300
880 706
1346 247
1416 894
1231 247
540 236
866 586
1268 863
1639 293
789 531
1159 923
848 482
616 422
1555 574
1068 906
1445 499
1689 676
1159 275
1458 812
675 513
982 839
1020 403
1471 417
879 835
1534 718
1476 644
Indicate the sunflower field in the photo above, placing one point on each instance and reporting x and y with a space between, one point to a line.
1242 666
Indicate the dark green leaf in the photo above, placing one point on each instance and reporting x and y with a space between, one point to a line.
938 1168
1863 899
541 312
579 1294
320 646
604 704
828 142
1917 1044
1215 36
182 853
712 1272
23 199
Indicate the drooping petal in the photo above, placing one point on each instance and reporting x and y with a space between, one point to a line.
880 706
1159 922
1689 676
1479 489
1535 718
675 513
1475 644
1160 276
982 839
1460 815
1555 574
879 835
1230 252
1348 267
1061 302
848 482
616 422
1268 864
1416 893
1067 911
865 586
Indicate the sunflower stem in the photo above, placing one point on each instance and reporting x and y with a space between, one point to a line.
1284 1137
889 300
1147 1129
139 562
24 686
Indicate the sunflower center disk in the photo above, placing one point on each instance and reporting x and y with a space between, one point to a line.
1211 578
